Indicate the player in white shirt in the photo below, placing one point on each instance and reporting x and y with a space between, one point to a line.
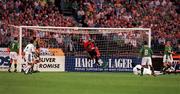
146 71
29 51
137 70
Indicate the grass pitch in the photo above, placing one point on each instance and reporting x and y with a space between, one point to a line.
87 83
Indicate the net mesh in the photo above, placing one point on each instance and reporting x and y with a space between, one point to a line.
111 42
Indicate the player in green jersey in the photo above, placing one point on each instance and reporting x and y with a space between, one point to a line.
146 54
14 48
167 58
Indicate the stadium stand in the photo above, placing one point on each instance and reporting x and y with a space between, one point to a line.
162 16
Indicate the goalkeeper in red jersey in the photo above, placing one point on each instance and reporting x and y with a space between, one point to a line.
93 51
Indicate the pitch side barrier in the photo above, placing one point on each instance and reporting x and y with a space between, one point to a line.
55 60
114 64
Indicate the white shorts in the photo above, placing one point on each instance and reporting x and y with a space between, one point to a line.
167 58
146 61
13 55
147 71
29 58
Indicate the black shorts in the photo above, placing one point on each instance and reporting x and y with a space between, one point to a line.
92 53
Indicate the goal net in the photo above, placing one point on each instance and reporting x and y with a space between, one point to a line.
111 42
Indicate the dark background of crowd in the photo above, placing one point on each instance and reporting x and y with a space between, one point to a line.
162 16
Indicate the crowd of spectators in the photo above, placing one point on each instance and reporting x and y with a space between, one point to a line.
159 15
29 13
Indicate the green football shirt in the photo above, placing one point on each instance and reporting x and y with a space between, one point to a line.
167 50
145 51
14 46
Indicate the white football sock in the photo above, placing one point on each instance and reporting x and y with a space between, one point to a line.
35 67
27 68
100 61
172 68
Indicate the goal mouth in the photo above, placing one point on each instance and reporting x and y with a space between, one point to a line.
110 41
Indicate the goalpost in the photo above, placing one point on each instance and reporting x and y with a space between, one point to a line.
110 41
83 30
